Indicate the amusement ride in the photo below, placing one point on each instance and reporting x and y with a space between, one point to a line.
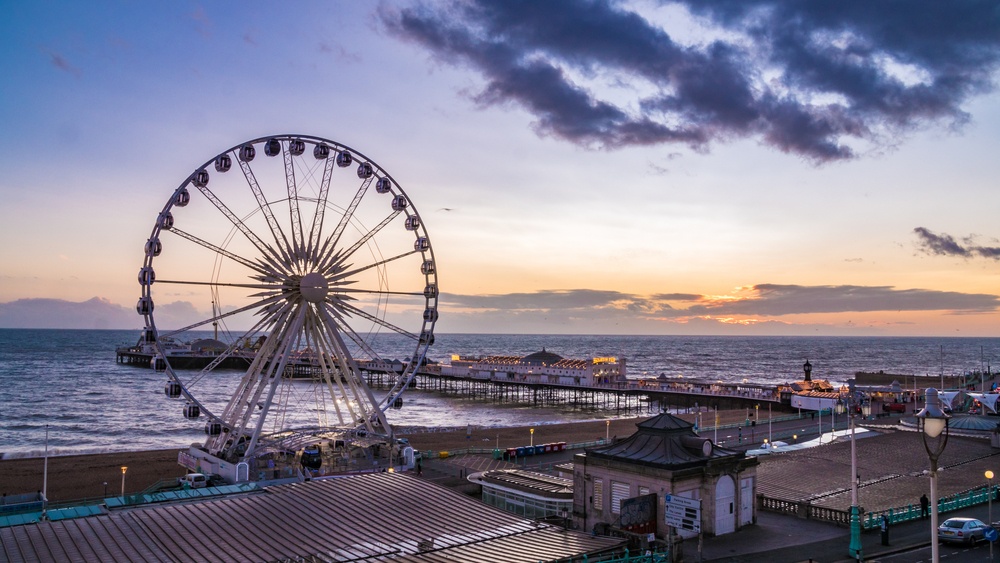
319 270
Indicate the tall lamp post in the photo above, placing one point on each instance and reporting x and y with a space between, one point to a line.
855 548
934 423
124 469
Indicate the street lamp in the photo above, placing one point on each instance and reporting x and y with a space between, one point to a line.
934 423
124 469
532 431
989 492
105 489
607 430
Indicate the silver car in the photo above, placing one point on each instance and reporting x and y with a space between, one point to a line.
962 530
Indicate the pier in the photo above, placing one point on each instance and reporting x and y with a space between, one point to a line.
623 396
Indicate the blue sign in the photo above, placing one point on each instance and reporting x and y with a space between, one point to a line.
990 534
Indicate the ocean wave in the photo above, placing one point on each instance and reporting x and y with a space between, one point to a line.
88 450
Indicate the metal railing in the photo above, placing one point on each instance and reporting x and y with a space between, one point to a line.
872 520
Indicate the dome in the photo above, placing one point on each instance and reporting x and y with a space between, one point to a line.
540 358
977 423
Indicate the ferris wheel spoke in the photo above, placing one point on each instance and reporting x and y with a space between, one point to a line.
233 348
221 251
380 263
298 244
379 291
360 390
345 218
336 373
334 257
265 286
220 316
275 259
333 373
265 208
316 232
261 371
354 336
289 342
352 309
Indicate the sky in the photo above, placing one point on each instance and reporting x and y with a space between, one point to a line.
713 167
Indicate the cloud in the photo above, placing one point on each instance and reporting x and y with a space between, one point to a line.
767 300
779 300
807 78
946 245
95 313
339 52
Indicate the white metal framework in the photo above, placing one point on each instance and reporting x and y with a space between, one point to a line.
317 268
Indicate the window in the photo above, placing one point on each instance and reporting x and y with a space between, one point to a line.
619 492
598 494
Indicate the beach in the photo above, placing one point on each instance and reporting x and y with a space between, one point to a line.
77 477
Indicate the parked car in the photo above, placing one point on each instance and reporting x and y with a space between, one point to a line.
894 407
193 481
962 530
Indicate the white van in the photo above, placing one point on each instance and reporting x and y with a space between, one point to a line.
193 481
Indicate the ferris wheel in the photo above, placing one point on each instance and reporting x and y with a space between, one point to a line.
319 273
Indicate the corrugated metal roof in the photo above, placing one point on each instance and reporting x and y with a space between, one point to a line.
530 481
374 517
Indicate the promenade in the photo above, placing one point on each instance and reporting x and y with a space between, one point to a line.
892 464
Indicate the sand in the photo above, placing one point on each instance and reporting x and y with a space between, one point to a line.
91 476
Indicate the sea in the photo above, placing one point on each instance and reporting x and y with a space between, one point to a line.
63 393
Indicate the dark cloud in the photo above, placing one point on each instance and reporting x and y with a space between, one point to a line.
807 78
946 245
768 300
778 300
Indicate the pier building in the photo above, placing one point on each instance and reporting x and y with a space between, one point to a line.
539 367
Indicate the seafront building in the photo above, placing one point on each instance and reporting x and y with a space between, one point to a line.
539 367
664 458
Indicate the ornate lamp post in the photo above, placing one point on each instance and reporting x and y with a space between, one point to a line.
934 423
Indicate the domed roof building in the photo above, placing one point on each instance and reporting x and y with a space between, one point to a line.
542 358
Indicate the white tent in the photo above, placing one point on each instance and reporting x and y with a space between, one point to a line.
950 399
988 400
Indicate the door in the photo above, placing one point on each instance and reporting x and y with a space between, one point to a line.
746 501
725 505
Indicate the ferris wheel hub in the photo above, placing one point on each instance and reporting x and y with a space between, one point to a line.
314 287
